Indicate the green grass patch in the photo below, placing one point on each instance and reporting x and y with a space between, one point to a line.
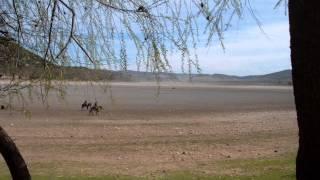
280 167
36 177
275 168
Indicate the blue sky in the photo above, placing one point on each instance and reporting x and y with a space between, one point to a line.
248 49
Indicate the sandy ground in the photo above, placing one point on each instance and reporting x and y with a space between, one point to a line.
147 129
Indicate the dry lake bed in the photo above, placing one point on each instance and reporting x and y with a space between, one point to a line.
169 131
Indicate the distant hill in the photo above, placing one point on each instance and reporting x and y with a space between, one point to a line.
281 77
31 67
276 78
29 63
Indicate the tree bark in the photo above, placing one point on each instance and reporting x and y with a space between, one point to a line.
13 158
304 19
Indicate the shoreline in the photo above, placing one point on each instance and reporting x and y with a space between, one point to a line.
218 84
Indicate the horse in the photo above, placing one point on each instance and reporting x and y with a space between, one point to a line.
89 105
85 104
95 109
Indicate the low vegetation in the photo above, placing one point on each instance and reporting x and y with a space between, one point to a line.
279 167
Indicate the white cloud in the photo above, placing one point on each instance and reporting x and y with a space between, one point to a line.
248 51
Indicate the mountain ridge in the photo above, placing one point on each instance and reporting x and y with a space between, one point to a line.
31 67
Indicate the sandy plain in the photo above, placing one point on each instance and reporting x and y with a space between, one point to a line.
148 129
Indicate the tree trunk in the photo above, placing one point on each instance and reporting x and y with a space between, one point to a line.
13 158
304 18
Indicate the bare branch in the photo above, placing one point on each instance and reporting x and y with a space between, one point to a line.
83 49
50 32
71 30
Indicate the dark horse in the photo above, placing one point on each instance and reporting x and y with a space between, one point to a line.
95 109
85 104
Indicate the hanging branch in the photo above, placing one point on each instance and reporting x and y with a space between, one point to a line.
116 8
71 30
50 32
83 49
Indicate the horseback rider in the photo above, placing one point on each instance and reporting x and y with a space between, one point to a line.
84 104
